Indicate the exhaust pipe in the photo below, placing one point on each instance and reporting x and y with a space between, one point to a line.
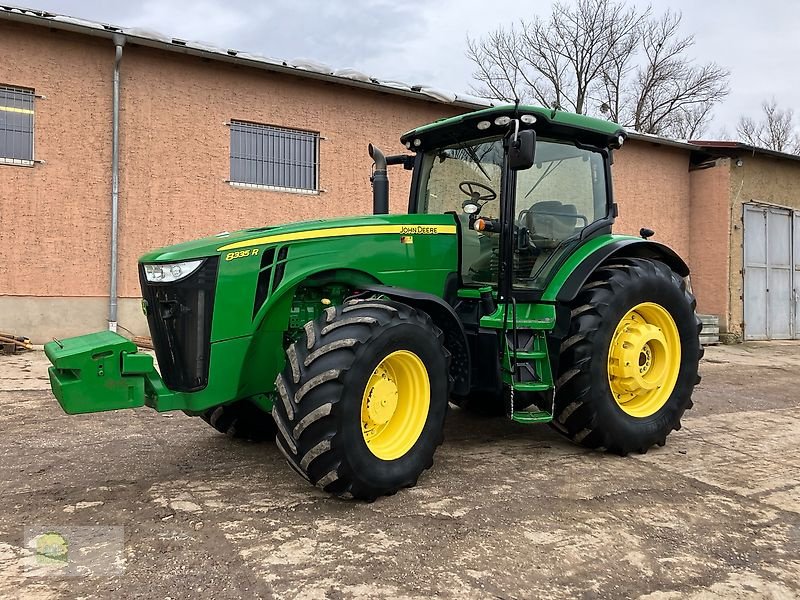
380 182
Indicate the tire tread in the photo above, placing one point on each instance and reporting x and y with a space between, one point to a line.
307 425
575 415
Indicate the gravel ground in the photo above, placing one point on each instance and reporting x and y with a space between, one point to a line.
508 511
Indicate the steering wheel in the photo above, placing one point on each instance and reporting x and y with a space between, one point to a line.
468 188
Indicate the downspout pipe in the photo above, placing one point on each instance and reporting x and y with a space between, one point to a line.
119 42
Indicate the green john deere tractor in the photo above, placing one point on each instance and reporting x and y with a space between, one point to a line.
502 290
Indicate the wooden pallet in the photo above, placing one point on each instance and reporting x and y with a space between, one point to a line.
709 335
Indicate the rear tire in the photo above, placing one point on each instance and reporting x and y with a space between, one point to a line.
328 376
588 409
241 420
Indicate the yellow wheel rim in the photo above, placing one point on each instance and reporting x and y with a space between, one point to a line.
644 359
395 405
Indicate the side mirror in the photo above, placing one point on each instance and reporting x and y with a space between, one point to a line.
522 151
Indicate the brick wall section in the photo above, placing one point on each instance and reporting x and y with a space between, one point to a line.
174 156
651 187
54 216
709 228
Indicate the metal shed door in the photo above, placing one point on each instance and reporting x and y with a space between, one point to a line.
769 306
796 274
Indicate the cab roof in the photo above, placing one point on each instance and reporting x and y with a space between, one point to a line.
549 123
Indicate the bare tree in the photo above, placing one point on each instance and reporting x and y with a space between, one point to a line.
690 123
602 57
670 94
558 61
775 131
497 58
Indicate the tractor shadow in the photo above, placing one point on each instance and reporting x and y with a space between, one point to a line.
465 428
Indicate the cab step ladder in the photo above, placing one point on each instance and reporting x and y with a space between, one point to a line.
530 369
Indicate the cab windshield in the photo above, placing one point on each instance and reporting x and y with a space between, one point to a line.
561 194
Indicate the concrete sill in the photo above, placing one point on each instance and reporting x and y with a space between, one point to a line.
15 162
273 188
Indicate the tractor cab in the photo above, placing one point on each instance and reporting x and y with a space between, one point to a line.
520 173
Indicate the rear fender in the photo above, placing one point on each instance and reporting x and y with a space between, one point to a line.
619 248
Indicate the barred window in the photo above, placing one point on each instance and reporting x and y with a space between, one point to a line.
16 125
274 157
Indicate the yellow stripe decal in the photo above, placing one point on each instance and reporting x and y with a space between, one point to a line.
24 111
340 232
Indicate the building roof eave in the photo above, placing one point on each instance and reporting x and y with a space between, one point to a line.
661 141
161 42
727 148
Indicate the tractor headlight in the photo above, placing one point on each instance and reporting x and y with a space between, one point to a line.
168 272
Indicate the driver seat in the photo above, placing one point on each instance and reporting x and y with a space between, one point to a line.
550 222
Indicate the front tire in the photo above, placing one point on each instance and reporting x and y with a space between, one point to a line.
629 363
363 397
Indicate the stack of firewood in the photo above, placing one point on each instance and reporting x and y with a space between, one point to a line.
13 343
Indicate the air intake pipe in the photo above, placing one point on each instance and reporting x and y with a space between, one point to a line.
380 182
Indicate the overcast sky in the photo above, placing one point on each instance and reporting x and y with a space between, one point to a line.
419 41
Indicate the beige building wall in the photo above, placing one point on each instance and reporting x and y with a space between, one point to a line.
54 234
761 178
174 163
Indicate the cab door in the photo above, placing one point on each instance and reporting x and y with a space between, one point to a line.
557 201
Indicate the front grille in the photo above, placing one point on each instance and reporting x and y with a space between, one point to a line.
179 316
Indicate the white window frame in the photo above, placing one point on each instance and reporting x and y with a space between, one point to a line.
21 162
284 136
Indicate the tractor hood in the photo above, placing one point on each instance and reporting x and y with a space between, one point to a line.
223 243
